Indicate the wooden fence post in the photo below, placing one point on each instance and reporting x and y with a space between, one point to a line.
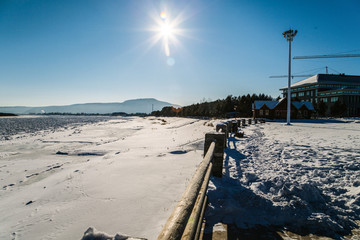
227 133
243 123
221 127
224 130
234 127
238 123
220 139
230 124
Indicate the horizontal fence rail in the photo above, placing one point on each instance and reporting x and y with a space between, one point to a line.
184 220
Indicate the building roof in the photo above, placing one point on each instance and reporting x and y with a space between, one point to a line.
310 80
272 104
309 105
328 78
269 104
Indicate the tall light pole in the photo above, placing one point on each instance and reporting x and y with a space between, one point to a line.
289 35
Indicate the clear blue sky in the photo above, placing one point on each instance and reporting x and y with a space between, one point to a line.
58 52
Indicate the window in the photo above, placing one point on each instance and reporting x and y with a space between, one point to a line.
324 99
261 112
266 112
334 99
301 94
293 95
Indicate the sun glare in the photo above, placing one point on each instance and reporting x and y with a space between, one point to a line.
166 31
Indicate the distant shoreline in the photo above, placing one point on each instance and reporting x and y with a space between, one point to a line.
7 115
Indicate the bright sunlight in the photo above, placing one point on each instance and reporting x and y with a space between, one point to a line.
166 31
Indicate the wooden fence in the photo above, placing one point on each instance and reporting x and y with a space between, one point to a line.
186 219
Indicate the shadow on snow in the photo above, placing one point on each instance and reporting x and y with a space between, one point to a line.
251 216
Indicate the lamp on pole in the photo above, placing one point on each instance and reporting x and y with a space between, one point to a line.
289 35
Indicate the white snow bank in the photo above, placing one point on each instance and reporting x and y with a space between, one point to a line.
304 177
92 234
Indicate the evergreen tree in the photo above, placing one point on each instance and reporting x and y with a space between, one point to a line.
218 108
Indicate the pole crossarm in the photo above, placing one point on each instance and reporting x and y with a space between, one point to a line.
327 56
285 76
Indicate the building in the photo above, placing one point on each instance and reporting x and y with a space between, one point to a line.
329 89
278 109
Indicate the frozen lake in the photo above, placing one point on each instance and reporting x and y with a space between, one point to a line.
10 126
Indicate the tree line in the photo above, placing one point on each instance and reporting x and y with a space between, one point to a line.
240 106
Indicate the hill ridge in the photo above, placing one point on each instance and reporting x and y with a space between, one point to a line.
140 105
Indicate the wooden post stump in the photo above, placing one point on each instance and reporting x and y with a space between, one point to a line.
218 152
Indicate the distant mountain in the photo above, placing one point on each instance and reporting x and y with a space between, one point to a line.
145 105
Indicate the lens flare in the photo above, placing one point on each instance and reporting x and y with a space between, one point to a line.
170 61
163 16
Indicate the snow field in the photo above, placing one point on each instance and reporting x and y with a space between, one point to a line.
303 177
122 176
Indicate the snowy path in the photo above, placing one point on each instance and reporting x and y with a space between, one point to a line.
305 177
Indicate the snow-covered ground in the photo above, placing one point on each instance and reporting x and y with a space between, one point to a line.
304 177
125 175
122 175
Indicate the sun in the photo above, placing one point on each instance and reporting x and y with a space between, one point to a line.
166 30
